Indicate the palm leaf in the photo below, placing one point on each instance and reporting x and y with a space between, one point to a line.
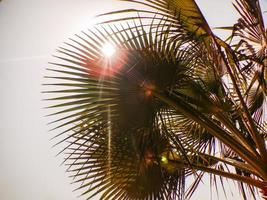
96 95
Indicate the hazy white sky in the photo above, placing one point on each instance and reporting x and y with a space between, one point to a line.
30 31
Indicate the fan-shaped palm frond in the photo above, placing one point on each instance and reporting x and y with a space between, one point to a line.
252 50
105 96
124 165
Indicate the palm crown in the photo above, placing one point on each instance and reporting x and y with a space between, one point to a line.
174 101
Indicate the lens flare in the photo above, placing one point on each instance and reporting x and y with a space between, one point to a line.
108 50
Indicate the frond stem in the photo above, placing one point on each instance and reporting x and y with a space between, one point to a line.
215 130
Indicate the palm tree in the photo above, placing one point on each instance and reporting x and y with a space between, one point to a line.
174 102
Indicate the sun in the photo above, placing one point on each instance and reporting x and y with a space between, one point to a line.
108 50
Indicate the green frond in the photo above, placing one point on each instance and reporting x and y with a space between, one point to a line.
96 94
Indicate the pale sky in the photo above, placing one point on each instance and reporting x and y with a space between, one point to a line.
30 32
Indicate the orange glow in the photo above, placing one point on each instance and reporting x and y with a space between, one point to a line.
149 89
148 92
107 66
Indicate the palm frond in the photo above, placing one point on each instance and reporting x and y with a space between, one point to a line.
99 97
137 124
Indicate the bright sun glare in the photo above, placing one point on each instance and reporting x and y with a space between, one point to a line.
108 49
